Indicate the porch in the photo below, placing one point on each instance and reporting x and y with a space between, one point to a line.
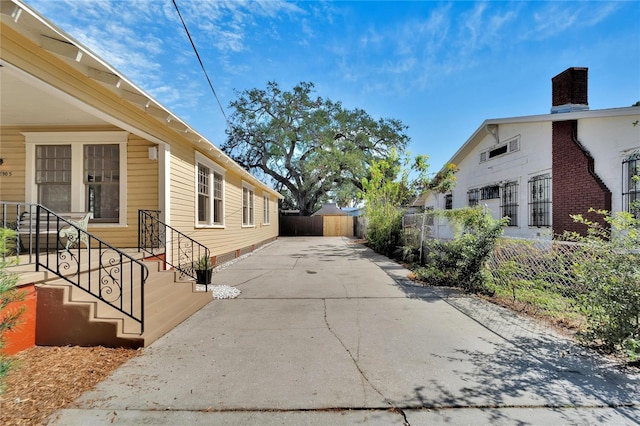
90 293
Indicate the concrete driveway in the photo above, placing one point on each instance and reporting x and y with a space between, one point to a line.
327 332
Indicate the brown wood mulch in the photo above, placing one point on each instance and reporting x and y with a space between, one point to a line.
45 379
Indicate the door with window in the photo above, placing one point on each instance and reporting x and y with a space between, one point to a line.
102 182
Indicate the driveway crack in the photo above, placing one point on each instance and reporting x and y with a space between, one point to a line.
393 407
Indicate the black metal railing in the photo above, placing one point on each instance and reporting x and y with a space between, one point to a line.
100 269
17 216
177 249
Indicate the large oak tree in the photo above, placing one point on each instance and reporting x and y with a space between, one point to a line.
311 147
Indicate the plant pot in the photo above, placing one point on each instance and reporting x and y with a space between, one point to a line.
204 277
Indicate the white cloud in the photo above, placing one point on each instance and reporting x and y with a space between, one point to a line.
555 18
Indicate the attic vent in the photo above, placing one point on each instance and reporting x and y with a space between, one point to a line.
498 151
483 157
514 145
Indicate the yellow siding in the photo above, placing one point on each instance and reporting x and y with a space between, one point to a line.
142 193
143 183
12 171
142 179
219 240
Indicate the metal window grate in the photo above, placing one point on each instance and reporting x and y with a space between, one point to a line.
510 202
490 192
448 201
631 184
474 197
540 201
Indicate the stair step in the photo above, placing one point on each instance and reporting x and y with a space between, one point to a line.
167 303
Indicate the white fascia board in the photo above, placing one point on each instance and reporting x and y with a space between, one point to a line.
481 131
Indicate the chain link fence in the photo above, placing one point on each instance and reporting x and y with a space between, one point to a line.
532 276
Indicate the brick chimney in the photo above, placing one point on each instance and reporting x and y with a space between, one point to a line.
569 91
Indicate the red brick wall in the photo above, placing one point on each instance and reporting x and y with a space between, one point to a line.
576 187
570 87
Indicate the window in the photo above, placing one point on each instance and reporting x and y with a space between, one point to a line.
474 197
490 192
448 201
266 206
218 187
102 181
540 200
204 210
247 205
210 192
631 184
507 147
53 176
78 172
510 202
498 151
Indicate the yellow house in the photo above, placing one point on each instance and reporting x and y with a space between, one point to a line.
78 136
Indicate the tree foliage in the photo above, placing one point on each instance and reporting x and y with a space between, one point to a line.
386 192
310 147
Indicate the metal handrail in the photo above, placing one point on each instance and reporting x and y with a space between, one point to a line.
112 273
154 236
10 218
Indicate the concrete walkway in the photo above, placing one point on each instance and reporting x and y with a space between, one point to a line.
327 332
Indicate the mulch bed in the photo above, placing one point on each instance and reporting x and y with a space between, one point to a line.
45 379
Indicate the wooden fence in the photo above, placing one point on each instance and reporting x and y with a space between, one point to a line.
328 226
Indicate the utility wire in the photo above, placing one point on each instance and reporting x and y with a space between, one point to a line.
201 64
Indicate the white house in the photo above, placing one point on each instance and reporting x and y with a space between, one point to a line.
537 170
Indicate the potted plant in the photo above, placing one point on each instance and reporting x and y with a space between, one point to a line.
204 270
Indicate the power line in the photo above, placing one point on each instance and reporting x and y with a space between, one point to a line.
201 64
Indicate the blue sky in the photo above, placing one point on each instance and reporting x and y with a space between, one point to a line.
442 68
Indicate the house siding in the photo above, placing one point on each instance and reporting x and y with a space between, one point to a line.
12 171
577 187
547 147
143 174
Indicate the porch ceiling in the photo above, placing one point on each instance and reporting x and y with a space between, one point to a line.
23 104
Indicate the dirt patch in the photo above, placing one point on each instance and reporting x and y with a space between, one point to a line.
46 379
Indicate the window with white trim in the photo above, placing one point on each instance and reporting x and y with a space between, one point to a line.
210 192
266 204
204 206
78 171
507 147
247 205
102 181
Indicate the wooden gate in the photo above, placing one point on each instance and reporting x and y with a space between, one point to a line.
337 226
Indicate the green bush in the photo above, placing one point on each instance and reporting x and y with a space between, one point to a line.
609 271
460 262
8 294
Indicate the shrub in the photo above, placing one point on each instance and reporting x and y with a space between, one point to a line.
460 262
609 271
8 294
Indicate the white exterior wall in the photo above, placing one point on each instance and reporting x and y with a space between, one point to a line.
533 158
610 140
